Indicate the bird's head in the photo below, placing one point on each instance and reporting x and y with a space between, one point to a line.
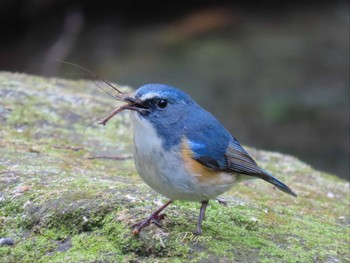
159 103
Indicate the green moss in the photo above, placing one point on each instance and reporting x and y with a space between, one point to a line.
60 206
86 247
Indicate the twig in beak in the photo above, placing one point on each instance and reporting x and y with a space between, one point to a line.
114 112
119 96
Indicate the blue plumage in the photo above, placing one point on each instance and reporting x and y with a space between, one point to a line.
212 145
183 152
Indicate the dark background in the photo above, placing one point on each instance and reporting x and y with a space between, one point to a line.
275 73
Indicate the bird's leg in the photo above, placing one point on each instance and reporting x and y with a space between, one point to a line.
200 218
153 218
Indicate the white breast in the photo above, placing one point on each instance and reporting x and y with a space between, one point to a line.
162 170
146 140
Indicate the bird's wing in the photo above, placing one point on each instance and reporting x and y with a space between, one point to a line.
234 159
209 144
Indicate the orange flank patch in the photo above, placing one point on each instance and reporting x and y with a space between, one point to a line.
201 172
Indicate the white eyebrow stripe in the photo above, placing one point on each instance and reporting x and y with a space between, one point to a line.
149 95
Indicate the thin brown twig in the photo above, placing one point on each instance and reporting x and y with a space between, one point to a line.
121 158
68 147
118 97
114 112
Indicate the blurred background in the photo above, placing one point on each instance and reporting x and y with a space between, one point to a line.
276 75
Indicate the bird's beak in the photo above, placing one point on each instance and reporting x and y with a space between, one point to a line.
132 104
135 104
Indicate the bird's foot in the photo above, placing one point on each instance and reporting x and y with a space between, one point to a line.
154 218
198 231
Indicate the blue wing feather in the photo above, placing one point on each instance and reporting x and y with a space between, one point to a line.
214 147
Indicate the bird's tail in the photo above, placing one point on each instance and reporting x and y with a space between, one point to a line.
269 178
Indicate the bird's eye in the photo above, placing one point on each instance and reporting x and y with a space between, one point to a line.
162 104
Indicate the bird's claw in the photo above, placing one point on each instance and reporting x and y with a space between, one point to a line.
154 218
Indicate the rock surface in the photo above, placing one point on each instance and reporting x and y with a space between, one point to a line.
59 203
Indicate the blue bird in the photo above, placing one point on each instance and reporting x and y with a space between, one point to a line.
184 153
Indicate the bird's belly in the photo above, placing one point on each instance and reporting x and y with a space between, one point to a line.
168 177
165 171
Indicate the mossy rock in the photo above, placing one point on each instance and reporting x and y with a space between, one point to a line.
60 205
